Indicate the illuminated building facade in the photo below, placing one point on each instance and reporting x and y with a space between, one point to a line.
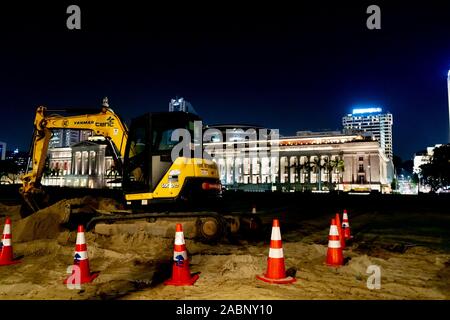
374 121
63 138
317 162
88 164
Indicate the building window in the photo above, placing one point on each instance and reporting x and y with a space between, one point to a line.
361 158
361 179
361 168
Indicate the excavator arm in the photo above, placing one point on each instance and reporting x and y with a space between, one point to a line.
105 123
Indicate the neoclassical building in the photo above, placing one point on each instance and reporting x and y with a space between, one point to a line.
87 164
319 161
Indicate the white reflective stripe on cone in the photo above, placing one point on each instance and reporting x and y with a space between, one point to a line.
276 253
334 231
7 229
6 242
179 238
81 238
344 216
345 224
276 234
179 253
335 244
83 255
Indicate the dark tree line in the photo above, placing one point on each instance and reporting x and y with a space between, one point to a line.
436 173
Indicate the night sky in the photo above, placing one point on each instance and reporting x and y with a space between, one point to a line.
291 67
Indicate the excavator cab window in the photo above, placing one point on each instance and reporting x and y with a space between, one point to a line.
148 153
136 169
163 141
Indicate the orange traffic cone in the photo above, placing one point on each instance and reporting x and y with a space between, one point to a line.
6 254
81 271
276 272
341 234
335 257
346 226
181 274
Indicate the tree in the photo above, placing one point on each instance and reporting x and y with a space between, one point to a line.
436 173
394 184
338 165
8 169
298 170
328 164
307 167
318 166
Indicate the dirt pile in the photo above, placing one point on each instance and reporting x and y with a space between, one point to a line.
49 222
10 211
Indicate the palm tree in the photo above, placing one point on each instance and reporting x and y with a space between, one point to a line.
318 166
298 169
338 165
307 167
328 164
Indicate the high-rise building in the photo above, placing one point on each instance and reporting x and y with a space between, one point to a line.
180 104
2 150
63 138
448 88
374 121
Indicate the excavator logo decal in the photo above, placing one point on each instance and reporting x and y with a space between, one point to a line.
109 123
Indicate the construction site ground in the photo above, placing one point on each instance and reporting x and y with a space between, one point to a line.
411 246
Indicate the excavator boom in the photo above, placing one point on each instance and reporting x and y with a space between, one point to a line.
104 123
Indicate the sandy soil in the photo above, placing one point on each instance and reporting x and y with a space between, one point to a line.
134 266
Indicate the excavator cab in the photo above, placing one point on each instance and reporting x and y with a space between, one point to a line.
152 177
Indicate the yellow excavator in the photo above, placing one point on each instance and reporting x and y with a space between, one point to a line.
154 186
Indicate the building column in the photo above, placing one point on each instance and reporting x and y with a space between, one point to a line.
260 170
82 163
89 163
288 160
279 169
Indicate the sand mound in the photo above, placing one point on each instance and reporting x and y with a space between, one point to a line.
39 248
359 264
11 211
44 224
47 223
238 267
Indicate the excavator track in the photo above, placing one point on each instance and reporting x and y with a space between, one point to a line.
203 226
206 226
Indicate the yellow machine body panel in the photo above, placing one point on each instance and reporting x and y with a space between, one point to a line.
174 179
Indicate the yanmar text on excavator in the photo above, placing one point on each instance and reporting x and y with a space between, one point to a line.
156 188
